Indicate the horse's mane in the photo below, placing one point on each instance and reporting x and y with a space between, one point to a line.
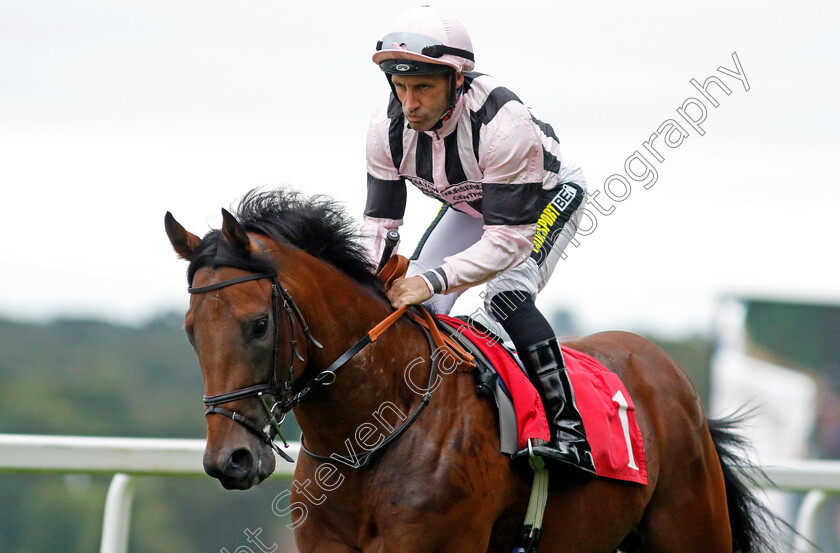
316 224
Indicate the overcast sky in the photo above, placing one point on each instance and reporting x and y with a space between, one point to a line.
113 112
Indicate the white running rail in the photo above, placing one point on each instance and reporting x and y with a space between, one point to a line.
130 458
126 458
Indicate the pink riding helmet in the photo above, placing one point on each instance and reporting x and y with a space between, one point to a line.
428 36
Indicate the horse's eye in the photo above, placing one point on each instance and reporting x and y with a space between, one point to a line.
260 328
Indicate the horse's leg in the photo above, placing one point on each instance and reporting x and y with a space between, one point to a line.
688 512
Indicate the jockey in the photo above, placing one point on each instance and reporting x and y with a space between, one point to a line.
511 201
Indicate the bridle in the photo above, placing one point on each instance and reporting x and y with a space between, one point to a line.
271 386
324 378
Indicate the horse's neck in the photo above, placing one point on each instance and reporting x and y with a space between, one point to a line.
379 385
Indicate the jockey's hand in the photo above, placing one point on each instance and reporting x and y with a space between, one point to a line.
409 291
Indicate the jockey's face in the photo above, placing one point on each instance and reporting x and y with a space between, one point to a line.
424 98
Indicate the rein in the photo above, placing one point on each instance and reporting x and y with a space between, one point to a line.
363 460
394 269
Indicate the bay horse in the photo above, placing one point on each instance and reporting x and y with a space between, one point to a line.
283 290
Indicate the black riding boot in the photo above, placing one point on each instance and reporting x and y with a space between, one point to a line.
568 444
534 340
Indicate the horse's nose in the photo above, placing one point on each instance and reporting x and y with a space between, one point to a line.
240 463
235 467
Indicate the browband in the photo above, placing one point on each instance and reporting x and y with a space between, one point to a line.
225 283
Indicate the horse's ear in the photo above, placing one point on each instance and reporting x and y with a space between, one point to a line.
235 235
183 241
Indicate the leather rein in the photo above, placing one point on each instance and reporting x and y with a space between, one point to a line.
393 270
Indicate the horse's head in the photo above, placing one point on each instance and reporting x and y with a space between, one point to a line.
257 353
232 323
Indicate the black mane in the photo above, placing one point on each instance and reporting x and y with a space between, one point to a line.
316 224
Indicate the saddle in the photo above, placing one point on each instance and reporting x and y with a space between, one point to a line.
604 403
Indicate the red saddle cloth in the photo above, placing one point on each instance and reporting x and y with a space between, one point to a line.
605 406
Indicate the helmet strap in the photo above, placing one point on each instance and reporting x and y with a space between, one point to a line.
393 89
453 98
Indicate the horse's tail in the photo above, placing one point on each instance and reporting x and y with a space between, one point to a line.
755 529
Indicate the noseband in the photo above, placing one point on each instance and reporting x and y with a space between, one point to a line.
270 386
